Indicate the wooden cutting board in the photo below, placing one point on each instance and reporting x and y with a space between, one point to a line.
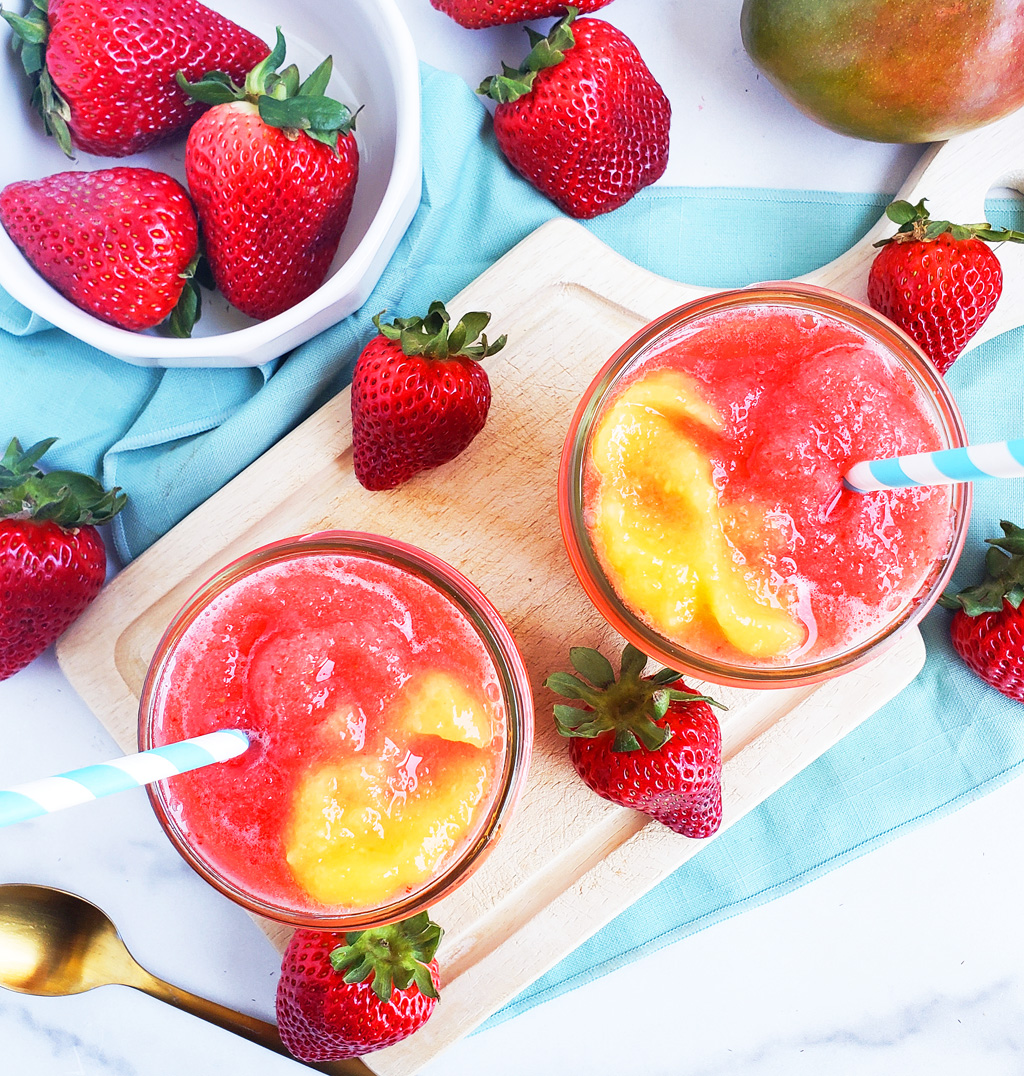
568 861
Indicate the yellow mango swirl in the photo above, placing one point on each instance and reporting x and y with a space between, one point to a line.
657 525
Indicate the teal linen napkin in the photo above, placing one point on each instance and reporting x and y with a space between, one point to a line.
171 438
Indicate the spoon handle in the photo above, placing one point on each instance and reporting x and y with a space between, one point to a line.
248 1027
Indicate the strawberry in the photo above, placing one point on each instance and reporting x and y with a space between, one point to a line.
936 280
475 14
121 243
645 742
272 168
419 395
582 118
987 629
104 70
342 995
52 558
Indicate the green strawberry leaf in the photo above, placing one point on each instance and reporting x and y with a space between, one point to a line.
32 58
545 52
256 80
214 88
625 740
572 687
572 721
186 312
1012 540
1003 580
394 955
316 84
33 30
902 212
633 662
289 81
592 665
305 113
629 708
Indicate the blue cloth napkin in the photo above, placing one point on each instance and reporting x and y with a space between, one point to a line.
171 438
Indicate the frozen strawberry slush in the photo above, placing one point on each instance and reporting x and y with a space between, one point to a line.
377 726
711 486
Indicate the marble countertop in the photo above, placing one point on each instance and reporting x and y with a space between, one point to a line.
907 960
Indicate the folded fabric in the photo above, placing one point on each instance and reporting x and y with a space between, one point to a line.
170 438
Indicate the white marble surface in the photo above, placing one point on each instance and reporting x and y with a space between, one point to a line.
908 960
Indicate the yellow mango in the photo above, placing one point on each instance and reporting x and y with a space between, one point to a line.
658 524
353 840
435 704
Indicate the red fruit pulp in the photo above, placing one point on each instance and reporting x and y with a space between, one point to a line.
377 727
749 556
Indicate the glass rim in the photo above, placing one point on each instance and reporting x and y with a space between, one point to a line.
584 559
516 695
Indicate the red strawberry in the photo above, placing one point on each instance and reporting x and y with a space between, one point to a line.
273 170
121 243
645 742
419 396
342 995
937 281
475 14
52 559
583 118
988 623
104 69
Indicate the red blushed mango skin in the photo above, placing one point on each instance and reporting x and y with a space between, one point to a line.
892 70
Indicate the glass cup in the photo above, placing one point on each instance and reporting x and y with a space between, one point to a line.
510 769
653 340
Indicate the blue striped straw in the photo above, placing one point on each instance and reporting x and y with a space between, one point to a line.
999 459
133 771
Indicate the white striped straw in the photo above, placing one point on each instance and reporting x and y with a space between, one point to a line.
89 783
1000 459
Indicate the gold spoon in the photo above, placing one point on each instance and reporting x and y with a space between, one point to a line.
54 943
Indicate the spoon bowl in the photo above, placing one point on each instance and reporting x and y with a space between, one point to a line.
54 943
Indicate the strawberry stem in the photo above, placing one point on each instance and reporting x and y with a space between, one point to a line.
915 223
67 498
628 707
1003 580
394 956
30 34
430 336
545 52
283 101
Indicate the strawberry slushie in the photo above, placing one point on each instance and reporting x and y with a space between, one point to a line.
702 498
385 713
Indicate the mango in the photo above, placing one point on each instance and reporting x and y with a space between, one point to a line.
436 704
356 837
658 525
891 70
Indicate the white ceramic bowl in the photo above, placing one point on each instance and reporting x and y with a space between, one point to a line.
375 66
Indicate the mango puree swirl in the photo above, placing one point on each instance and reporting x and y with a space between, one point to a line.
657 525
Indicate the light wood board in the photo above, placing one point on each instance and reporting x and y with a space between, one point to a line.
568 861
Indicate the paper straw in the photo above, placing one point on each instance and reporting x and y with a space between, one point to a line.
133 771
1000 459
